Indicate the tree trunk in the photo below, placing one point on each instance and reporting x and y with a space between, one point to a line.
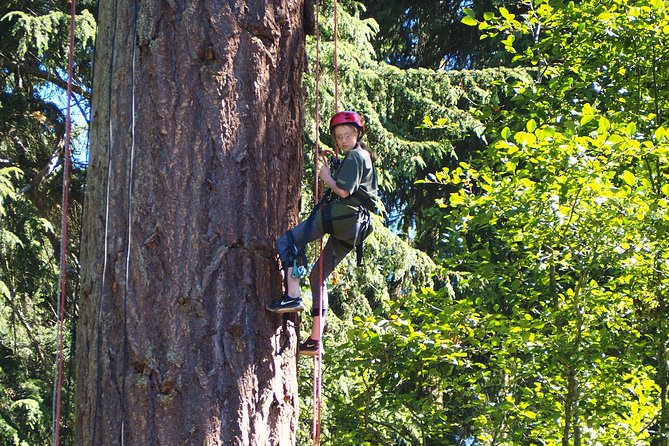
195 169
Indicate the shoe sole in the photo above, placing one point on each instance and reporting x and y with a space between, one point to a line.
285 310
311 352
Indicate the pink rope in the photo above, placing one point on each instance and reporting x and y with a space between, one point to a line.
63 243
316 421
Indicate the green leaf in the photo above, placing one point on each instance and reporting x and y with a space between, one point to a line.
508 42
604 124
506 132
469 18
630 130
660 133
629 178
506 14
525 139
469 21
587 114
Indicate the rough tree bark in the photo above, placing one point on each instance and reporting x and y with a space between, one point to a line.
195 169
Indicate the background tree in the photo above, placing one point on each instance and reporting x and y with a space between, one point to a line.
429 34
33 55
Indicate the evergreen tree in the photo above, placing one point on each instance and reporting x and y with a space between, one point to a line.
33 63
431 34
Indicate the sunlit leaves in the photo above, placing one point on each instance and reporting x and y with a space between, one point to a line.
548 210
554 241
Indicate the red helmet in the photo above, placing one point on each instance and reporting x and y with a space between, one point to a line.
347 117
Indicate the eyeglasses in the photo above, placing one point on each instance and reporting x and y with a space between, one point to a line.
345 137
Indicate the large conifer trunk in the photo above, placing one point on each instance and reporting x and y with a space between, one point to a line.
194 171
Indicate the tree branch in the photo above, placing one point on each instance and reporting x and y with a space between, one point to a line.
45 75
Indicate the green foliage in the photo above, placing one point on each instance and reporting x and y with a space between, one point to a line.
432 34
394 104
608 54
28 281
36 39
549 226
553 246
553 239
41 36
33 56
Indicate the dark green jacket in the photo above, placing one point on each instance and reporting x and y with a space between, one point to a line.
356 175
347 219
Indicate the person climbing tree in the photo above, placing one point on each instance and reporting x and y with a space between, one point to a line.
344 213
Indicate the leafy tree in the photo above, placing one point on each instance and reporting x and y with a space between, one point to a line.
555 245
609 55
555 310
610 67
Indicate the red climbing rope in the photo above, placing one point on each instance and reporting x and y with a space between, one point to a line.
318 359
335 66
63 242
315 421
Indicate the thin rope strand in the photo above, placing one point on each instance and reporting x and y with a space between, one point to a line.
110 152
63 243
317 98
336 62
129 233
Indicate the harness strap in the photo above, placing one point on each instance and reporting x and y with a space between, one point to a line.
328 227
360 235
299 259
359 198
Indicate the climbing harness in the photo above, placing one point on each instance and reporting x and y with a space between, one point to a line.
344 216
298 258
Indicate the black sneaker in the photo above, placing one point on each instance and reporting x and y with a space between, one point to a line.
286 304
310 347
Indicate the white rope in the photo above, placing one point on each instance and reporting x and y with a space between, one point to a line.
110 155
129 234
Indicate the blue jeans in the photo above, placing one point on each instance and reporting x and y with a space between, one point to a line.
333 253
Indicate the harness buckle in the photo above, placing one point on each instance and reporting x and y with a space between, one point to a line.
299 263
298 270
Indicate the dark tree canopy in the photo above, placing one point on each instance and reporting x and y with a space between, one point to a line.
430 34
